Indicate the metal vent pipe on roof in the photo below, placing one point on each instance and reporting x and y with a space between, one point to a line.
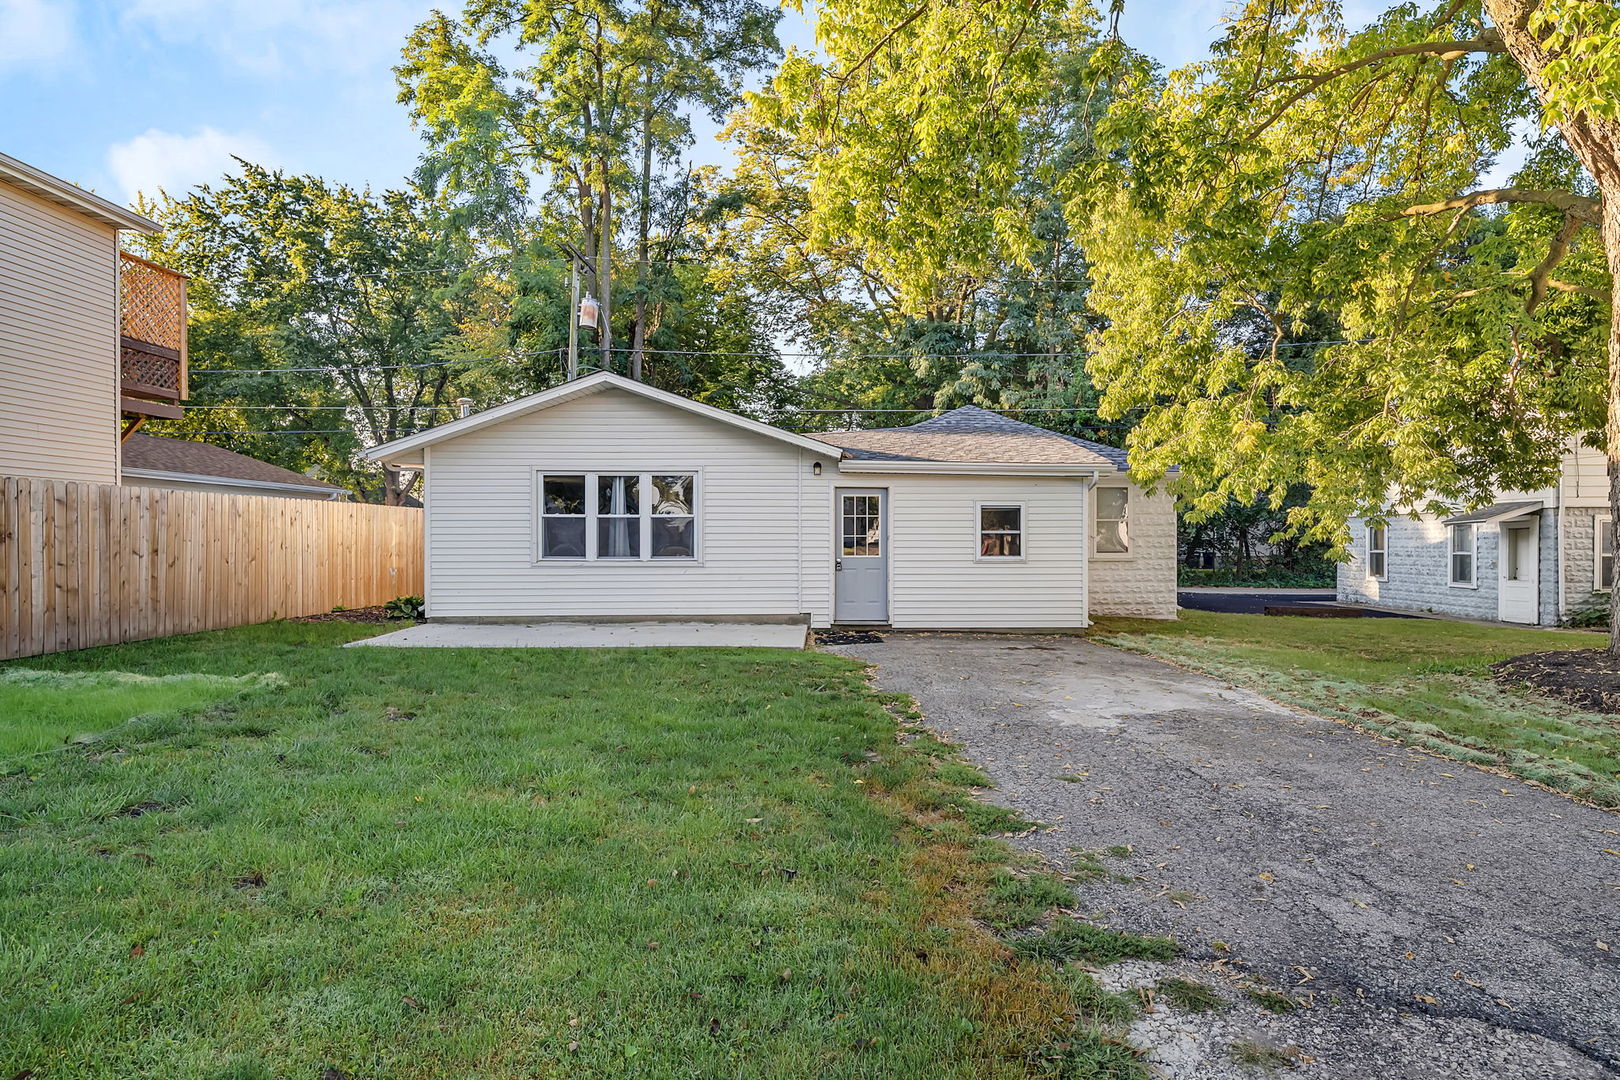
463 407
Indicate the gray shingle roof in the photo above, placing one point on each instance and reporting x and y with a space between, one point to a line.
159 454
972 434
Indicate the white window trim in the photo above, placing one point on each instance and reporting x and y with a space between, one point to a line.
1600 523
537 507
1473 555
1385 552
1130 544
978 532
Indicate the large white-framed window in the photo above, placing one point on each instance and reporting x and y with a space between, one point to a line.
617 516
1462 548
1602 553
1001 531
1377 553
1110 529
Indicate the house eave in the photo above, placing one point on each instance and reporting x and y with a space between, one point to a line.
42 184
205 479
978 468
405 452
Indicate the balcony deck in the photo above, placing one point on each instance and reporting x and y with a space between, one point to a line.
152 344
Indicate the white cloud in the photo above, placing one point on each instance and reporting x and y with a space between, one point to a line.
35 33
161 159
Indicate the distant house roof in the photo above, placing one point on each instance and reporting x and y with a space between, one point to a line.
972 434
52 189
152 455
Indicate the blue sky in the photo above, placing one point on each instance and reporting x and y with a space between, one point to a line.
128 95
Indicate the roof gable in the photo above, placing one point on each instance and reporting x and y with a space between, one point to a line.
407 451
972 434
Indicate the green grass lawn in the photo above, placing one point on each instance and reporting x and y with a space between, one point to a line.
1424 681
380 863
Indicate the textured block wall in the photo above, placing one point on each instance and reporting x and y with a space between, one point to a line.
1144 583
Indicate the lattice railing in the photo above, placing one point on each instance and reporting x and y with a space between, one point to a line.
153 324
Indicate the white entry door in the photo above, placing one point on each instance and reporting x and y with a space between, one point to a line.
1518 596
861 557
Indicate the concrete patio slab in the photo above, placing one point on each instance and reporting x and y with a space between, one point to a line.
607 635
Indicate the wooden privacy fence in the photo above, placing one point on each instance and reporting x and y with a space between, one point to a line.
94 564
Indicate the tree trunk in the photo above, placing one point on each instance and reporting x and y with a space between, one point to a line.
1596 142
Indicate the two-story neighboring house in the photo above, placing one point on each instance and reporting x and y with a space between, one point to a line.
92 341
92 344
1533 557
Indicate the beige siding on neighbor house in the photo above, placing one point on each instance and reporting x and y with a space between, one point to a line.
58 342
937 580
758 506
1143 583
1586 477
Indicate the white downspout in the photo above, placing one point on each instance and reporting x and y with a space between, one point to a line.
1085 537
1559 554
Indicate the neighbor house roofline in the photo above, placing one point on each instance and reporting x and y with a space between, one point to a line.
206 479
405 452
43 184
979 468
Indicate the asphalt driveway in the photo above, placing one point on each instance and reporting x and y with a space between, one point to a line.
1438 920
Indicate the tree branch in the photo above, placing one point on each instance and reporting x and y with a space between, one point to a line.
1555 255
882 41
1487 42
1580 207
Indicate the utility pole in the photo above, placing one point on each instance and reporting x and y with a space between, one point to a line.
573 319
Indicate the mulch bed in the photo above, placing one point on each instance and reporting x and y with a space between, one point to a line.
359 615
846 637
1588 679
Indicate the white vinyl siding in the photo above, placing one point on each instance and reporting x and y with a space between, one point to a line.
760 511
58 342
937 580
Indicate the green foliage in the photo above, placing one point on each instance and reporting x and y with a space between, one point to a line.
1321 575
1297 188
1022 899
405 607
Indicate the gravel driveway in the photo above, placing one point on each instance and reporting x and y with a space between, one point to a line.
1439 920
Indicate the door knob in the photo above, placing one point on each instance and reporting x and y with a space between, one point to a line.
838 564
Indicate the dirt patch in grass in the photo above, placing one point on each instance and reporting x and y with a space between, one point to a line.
374 615
1588 679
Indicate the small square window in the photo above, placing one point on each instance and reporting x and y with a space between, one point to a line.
1001 532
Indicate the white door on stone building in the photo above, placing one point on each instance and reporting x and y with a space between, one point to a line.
1518 596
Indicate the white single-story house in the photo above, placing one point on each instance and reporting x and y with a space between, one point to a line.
1533 557
604 498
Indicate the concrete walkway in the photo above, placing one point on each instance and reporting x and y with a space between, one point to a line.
604 635
1441 921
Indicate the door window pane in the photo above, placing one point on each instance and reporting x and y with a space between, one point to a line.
1515 543
863 526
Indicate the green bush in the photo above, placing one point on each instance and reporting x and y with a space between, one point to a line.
404 607
1273 577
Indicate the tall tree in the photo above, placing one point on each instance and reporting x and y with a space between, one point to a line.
600 103
903 221
1310 177
324 319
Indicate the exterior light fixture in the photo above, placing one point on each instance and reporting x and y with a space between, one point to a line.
588 310
815 469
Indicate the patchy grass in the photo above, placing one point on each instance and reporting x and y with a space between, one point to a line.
1268 1059
42 709
429 863
1070 940
1422 681
1271 1000
1189 995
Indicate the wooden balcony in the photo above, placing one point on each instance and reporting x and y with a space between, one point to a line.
152 345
